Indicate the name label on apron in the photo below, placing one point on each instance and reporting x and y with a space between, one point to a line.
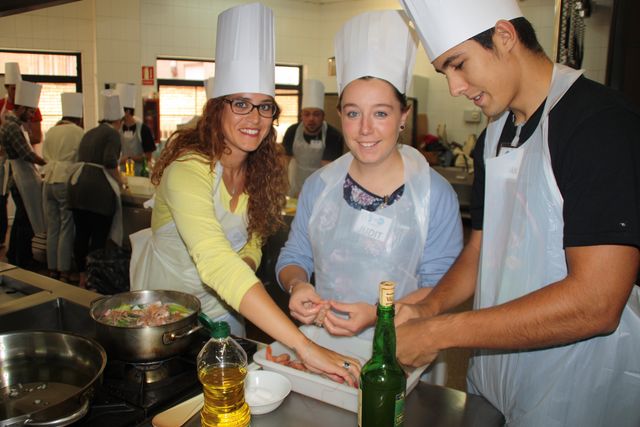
372 225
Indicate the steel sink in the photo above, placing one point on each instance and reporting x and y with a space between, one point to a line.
57 314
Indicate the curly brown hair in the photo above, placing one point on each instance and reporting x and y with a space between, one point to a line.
266 180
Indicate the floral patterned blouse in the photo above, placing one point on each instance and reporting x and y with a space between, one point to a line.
359 198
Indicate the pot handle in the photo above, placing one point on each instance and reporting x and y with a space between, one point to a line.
64 421
170 337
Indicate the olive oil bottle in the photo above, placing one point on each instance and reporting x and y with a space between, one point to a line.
382 381
222 367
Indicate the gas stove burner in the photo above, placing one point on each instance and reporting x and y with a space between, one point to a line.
153 372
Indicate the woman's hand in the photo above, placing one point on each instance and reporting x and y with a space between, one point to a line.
360 316
305 304
326 362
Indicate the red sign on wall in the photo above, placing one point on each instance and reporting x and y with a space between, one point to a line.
148 76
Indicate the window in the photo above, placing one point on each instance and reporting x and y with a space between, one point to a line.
56 72
182 94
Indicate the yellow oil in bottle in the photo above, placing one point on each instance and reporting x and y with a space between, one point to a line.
224 404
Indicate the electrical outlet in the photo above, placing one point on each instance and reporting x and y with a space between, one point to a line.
472 116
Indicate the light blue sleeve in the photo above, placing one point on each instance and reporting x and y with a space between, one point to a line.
444 238
297 249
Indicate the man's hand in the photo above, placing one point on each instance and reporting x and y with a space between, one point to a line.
360 316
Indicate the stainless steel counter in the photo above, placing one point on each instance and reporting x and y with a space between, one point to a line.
427 405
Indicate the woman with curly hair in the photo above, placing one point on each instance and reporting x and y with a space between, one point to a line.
220 191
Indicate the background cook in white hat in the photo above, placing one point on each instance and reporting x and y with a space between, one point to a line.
60 150
26 184
95 183
312 142
552 269
378 212
220 191
12 76
138 143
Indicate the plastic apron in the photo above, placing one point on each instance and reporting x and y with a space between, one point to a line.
115 233
354 250
29 185
595 382
160 260
307 158
132 145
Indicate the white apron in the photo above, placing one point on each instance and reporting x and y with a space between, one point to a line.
354 250
307 158
29 183
115 233
160 260
132 145
595 382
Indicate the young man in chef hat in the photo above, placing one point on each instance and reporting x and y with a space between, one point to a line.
553 254
12 76
26 185
60 150
311 143
137 138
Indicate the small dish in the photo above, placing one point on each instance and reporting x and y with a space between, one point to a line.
264 391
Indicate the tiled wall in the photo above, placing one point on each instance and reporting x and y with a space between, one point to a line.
117 37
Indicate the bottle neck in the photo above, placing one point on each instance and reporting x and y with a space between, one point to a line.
384 339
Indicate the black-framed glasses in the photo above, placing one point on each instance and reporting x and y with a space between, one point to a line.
243 107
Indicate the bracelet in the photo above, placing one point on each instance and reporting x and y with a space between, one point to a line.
293 284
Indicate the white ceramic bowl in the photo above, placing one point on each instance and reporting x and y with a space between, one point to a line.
264 391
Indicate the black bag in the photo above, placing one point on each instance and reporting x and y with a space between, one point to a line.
108 270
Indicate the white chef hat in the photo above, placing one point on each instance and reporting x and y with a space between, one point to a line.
245 51
443 24
27 94
12 73
378 44
312 94
112 108
127 94
208 87
71 104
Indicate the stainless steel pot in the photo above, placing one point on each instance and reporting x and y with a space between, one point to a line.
146 343
47 377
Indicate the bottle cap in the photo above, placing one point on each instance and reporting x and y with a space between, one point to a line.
215 329
386 293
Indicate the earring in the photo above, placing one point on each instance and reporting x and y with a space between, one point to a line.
401 127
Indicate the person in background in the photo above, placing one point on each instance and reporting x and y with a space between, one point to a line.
379 212
95 184
26 184
12 76
554 250
311 143
60 151
220 191
137 139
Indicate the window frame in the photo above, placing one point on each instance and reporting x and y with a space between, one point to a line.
44 78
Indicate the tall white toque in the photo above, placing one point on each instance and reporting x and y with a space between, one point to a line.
71 104
245 51
27 94
443 24
378 44
12 73
112 108
312 94
208 87
127 94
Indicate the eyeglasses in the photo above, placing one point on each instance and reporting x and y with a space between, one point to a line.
242 107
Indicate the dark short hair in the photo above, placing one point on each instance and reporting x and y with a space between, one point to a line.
129 110
524 29
401 97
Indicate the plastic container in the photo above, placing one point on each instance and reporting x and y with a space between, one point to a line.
222 368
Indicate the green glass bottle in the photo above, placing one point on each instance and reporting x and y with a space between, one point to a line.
382 381
144 171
